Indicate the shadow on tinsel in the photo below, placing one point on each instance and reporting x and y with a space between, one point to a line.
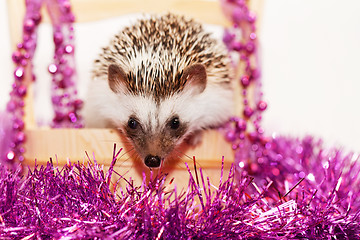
298 190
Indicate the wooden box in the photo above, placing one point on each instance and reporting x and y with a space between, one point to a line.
63 144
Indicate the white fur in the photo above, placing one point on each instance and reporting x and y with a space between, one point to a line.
104 108
208 109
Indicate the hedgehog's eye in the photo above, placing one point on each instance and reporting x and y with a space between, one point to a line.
174 123
132 123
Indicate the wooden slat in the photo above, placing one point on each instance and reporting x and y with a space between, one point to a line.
202 10
72 143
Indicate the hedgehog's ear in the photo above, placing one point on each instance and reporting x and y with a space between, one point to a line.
117 78
194 77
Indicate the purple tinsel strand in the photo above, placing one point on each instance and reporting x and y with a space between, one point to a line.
76 202
66 105
64 94
22 58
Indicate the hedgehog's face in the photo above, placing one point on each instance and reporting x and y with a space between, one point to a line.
155 127
154 138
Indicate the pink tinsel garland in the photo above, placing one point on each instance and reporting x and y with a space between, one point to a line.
64 94
314 196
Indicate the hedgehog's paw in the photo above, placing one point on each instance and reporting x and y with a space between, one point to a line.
195 138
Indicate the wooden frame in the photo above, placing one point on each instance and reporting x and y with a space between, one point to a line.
63 144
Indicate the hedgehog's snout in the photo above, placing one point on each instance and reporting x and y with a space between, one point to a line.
152 161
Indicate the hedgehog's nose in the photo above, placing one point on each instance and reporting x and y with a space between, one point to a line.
152 161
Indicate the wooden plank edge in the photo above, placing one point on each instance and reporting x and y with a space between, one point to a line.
62 144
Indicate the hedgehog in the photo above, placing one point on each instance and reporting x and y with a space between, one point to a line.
161 81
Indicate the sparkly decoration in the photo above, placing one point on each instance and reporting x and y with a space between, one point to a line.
22 58
242 39
66 105
300 191
64 94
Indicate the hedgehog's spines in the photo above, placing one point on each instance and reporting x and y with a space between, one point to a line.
154 52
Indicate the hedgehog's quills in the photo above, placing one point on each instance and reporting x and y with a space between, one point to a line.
160 81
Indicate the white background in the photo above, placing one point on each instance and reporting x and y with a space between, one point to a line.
310 60
311 66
